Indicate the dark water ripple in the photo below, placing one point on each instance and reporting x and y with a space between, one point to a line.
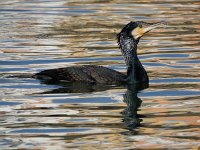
36 35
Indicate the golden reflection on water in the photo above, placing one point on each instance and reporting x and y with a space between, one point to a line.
49 34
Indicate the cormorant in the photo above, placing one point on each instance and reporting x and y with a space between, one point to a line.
128 40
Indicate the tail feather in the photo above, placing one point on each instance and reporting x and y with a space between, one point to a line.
24 75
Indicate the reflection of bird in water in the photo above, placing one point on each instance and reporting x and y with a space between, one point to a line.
128 39
131 118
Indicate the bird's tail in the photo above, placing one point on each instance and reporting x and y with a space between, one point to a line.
24 75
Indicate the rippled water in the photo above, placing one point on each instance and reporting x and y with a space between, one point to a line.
37 35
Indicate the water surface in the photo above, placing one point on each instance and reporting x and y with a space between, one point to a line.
37 35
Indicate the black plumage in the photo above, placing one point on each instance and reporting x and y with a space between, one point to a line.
85 73
128 39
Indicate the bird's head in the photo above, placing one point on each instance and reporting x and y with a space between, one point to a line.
139 28
130 35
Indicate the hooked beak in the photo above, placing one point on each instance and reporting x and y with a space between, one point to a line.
153 26
146 27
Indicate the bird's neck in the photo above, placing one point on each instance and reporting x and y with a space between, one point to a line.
135 71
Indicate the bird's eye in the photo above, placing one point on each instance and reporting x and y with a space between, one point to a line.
140 26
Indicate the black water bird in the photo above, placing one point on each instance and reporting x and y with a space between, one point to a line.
128 40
